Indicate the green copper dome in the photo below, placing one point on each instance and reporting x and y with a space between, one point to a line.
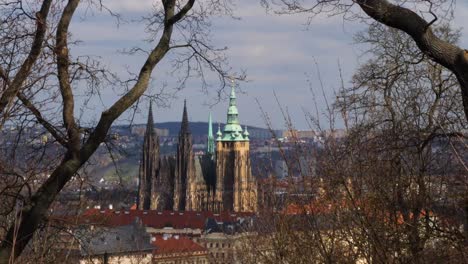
232 129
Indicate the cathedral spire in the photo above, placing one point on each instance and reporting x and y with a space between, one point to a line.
233 113
150 123
184 164
210 142
184 127
149 164
233 130
246 133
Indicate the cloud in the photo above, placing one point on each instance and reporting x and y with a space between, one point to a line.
460 15
129 6
278 52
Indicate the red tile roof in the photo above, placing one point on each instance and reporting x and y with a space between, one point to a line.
317 207
176 245
156 219
320 207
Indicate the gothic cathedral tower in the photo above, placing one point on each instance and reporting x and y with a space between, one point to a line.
149 164
184 164
236 188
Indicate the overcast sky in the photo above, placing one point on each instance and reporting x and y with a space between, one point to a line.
277 52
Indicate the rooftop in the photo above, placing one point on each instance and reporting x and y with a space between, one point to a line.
176 245
131 238
158 219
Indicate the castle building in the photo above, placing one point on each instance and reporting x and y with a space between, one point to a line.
184 164
219 180
236 188
149 164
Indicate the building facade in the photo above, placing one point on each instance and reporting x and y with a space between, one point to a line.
218 180
236 188
149 164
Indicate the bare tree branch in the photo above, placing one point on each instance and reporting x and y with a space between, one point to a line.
448 55
54 132
34 213
63 62
182 12
36 48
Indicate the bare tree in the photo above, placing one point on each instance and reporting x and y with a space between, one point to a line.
396 14
404 161
393 189
39 83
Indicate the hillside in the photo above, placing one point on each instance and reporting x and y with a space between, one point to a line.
200 128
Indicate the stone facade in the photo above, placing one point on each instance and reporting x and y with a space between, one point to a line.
149 165
162 196
122 258
236 189
185 162
219 180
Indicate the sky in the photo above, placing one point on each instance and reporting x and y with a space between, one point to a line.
280 54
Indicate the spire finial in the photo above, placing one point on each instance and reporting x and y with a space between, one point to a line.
233 88
219 134
232 129
184 127
210 141
150 122
210 126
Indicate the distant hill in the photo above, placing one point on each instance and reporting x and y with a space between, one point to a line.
201 129
197 128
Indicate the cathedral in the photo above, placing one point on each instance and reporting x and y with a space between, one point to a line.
219 180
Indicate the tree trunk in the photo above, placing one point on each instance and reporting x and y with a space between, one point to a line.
35 211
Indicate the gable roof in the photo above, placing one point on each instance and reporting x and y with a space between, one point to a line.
115 240
176 245
158 219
